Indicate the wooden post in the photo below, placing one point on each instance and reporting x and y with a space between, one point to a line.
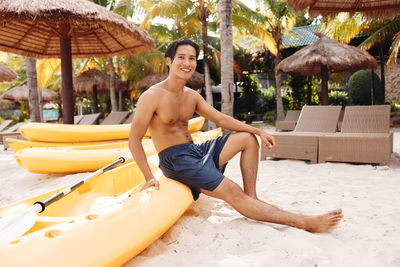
324 85
66 76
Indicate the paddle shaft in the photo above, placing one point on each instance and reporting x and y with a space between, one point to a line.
66 191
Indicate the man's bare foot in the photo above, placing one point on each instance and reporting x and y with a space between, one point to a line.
323 223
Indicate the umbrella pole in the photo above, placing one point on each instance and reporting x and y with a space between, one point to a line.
324 85
66 74
95 104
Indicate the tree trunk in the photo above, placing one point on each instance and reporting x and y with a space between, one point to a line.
280 115
206 63
225 11
120 92
324 85
95 102
31 76
113 98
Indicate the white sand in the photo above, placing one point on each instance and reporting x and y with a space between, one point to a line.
213 234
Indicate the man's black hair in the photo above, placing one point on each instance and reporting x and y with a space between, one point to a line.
171 49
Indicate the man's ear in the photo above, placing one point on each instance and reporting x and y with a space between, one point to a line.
168 60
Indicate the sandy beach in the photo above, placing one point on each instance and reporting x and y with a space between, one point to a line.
212 234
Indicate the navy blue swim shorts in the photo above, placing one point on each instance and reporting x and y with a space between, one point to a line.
195 165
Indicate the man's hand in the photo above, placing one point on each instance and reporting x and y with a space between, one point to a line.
152 182
268 140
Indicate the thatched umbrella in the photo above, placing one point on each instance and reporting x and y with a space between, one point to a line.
94 81
7 74
195 82
66 29
370 8
323 57
21 93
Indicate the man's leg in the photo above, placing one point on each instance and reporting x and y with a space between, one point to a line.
262 211
247 144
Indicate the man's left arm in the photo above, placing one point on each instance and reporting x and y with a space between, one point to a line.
229 123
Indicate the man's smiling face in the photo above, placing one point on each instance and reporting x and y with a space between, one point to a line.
184 63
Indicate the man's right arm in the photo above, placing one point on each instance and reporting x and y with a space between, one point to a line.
145 108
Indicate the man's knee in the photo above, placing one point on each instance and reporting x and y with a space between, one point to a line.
250 140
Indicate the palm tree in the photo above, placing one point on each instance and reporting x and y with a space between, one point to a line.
189 17
34 99
124 8
273 17
225 11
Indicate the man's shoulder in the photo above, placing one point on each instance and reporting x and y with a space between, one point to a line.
152 91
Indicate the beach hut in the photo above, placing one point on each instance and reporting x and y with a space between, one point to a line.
323 57
93 81
7 74
21 93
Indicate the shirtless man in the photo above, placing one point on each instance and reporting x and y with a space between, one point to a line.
165 109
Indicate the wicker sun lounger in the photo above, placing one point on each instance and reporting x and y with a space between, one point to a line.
365 137
130 118
302 143
89 119
115 117
12 131
290 121
4 125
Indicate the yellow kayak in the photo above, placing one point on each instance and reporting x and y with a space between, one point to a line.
76 159
18 144
53 132
105 222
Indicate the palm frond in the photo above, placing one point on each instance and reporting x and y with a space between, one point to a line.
394 49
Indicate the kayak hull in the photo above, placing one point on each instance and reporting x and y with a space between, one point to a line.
104 223
68 133
76 159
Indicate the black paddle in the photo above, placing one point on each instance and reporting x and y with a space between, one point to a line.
12 227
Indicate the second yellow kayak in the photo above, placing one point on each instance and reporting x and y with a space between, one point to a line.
76 159
53 132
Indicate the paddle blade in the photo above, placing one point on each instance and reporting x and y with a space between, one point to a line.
14 226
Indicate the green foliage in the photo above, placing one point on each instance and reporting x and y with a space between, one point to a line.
250 92
338 98
394 106
297 91
360 88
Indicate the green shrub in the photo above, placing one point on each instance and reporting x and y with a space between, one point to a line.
360 88
338 98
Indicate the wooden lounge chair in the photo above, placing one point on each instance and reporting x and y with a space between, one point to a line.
130 118
290 121
12 131
89 119
5 124
302 143
115 117
77 119
365 137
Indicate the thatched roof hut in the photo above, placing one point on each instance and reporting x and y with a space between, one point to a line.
337 57
21 93
370 8
85 82
33 28
7 74
326 56
195 82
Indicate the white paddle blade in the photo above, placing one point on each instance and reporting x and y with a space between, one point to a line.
14 226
